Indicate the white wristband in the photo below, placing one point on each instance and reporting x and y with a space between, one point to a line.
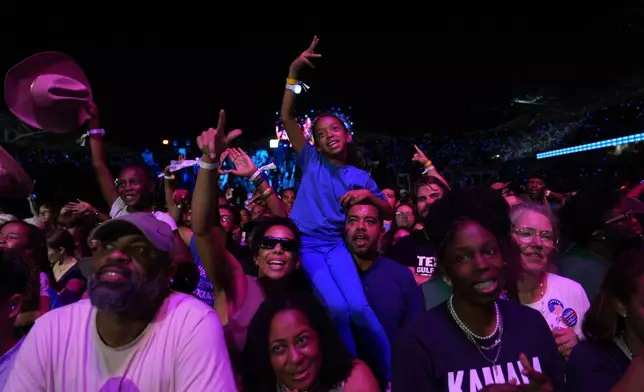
96 132
255 175
208 165
428 169
83 139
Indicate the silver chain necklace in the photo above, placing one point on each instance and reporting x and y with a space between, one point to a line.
621 343
450 306
471 336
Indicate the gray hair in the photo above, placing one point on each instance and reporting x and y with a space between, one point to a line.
520 209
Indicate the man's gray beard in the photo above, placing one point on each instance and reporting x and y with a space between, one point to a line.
128 297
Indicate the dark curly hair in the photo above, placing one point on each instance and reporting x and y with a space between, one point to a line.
257 372
488 208
584 213
620 283
35 256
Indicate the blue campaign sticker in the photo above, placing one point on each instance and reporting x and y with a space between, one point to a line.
570 317
553 304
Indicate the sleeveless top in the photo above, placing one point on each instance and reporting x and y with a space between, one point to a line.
235 330
256 292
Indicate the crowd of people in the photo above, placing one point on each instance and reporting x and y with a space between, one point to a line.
340 284
506 154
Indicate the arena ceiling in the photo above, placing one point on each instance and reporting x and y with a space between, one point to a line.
462 75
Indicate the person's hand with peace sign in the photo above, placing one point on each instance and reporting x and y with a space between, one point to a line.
287 113
539 382
214 142
304 60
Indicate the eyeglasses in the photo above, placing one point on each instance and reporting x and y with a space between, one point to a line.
287 244
527 235
405 214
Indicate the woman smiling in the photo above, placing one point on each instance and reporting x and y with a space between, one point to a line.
561 301
474 340
293 346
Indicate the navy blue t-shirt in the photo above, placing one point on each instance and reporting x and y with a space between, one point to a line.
393 294
435 355
395 298
595 366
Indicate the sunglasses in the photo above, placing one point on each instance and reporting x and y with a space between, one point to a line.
287 244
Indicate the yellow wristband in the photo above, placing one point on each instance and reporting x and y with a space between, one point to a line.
292 81
428 164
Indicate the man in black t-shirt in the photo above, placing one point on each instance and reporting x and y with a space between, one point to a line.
417 254
415 251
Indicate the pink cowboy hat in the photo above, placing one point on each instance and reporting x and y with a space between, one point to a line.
48 91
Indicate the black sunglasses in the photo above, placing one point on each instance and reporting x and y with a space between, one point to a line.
287 244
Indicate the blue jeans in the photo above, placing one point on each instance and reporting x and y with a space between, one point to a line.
331 268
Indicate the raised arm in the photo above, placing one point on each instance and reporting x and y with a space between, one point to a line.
99 162
289 118
430 169
245 167
168 193
223 270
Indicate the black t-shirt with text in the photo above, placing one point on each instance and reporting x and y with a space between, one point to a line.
435 355
415 251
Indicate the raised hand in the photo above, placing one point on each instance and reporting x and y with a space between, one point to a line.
539 382
79 208
214 142
353 197
244 166
305 58
419 156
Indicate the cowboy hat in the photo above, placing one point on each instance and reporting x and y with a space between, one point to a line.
48 91
14 181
